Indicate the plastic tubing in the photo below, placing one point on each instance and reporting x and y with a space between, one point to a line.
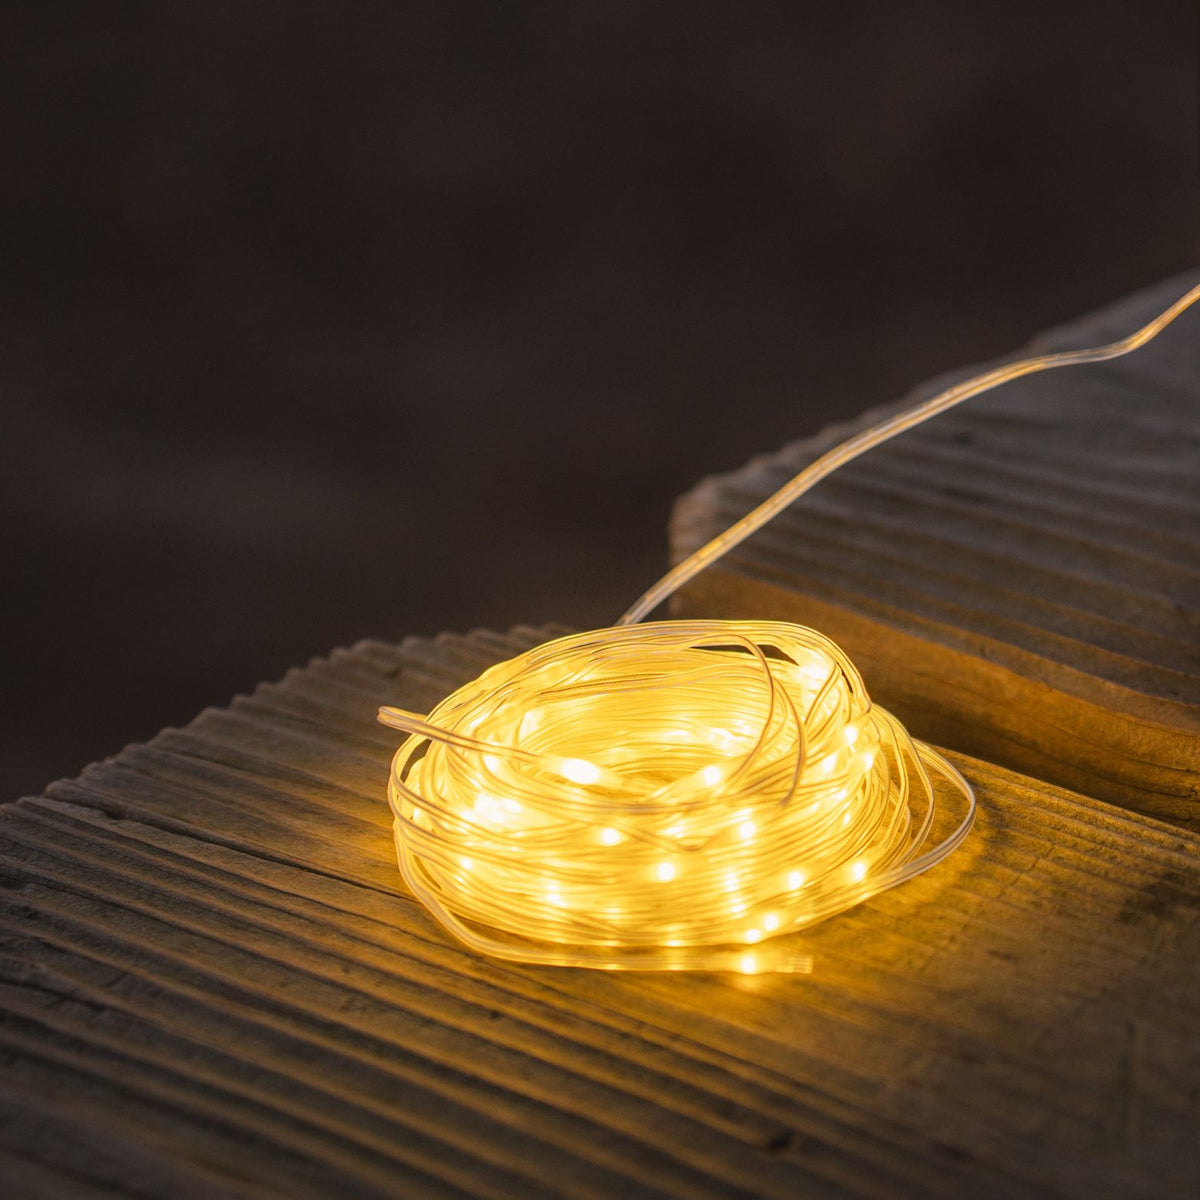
679 795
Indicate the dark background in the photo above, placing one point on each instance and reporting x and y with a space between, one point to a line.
328 321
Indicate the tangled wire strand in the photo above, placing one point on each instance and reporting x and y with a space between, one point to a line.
727 782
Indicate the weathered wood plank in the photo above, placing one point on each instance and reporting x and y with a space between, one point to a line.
214 984
1020 577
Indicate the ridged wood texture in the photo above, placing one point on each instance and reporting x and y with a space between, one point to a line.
214 985
1019 578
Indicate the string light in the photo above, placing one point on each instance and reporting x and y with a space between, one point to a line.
678 794
727 782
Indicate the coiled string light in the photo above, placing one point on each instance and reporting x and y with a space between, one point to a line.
679 794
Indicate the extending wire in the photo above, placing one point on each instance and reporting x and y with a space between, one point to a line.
677 795
876 435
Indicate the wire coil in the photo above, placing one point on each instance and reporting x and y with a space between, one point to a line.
662 796
675 795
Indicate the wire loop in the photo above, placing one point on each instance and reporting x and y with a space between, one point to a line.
662 796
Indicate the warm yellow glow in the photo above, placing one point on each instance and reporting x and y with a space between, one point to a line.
533 806
614 831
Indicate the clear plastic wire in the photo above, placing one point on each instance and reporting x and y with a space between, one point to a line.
876 435
677 795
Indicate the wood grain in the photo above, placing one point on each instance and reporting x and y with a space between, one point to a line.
214 984
1018 579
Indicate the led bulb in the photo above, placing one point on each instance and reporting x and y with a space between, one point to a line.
579 770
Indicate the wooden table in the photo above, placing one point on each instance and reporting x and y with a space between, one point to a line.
214 984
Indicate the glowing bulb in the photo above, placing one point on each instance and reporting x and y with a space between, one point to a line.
610 836
579 770
795 880
748 964
858 872
666 871
753 935
811 675
722 739
489 808
711 775
746 830
771 922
